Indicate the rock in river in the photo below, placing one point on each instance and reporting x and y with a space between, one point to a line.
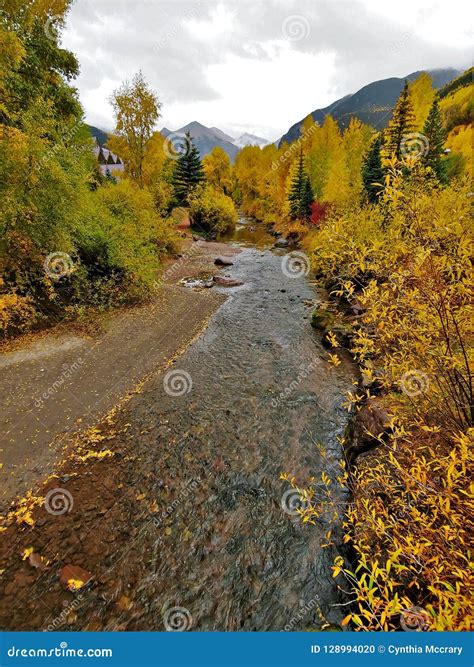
227 282
223 261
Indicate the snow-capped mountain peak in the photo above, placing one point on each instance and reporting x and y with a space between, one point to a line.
247 139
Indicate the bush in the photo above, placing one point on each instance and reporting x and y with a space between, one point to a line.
407 262
212 211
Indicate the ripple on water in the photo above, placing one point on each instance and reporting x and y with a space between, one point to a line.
262 397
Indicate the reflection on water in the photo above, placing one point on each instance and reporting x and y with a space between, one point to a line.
250 234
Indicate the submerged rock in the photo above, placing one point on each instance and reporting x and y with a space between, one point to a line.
227 282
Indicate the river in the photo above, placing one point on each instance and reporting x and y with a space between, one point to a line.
189 525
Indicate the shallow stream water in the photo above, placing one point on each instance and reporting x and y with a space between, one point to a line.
262 400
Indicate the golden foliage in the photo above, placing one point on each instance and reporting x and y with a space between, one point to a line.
407 260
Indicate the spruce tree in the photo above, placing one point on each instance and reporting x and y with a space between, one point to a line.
436 135
372 170
296 188
188 172
306 199
401 124
301 193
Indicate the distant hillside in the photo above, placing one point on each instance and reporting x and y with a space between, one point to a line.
372 104
100 135
465 79
206 138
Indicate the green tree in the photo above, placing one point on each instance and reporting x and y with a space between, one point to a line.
401 124
137 109
307 199
188 172
372 169
300 196
33 66
436 134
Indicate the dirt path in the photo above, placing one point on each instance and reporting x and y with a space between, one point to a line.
171 513
60 383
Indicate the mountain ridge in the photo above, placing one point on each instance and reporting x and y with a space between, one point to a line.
372 104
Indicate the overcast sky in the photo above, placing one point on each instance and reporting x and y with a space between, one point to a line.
256 66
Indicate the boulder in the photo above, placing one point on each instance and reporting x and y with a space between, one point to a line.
223 261
281 243
369 422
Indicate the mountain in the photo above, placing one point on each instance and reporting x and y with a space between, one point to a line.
372 104
250 140
100 135
223 135
206 138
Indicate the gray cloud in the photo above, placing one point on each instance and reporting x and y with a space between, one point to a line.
177 45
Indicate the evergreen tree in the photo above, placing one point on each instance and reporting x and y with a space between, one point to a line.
372 170
436 134
401 124
300 196
188 172
307 199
